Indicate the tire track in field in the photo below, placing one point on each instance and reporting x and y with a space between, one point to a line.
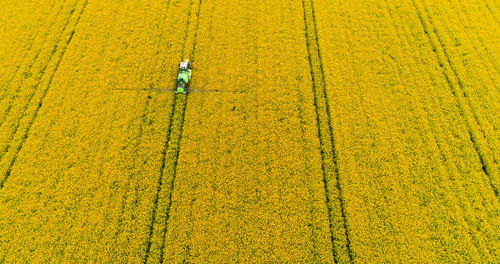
455 83
455 188
457 91
307 165
171 149
32 39
314 88
462 14
63 44
487 62
182 111
41 72
7 100
149 241
455 76
461 11
341 243
139 135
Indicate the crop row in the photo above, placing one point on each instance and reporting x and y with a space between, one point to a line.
471 76
361 131
22 28
467 65
333 190
27 89
414 186
82 187
249 185
155 250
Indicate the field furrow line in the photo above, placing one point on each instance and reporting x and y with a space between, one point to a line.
435 133
170 154
462 11
461 80
305 118
10 134
33 37
137 145
159 189
342 250
320 134
23 72
464 14
488 63
182 113
62 44
474 128
175 148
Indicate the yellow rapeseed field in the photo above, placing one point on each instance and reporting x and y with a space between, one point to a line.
356 131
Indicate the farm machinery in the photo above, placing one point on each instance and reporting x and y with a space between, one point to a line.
183 81
183 77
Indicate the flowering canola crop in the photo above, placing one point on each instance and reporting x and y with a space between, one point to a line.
345 132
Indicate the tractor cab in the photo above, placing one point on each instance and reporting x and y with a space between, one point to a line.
185 65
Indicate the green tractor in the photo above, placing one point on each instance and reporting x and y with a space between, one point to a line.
183 82
184 77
